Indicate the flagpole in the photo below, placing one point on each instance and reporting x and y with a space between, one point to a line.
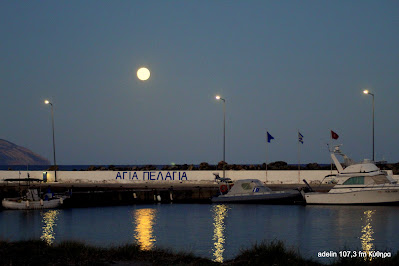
266 155
299 161
329 150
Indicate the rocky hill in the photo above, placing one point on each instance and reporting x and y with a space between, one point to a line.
12 154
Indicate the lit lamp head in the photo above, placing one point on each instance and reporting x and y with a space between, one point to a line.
219 98
368 92
47 102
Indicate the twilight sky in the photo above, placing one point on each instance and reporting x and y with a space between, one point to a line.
280 65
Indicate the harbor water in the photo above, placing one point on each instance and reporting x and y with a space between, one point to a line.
214 231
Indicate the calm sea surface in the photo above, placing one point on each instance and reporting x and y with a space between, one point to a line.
214 231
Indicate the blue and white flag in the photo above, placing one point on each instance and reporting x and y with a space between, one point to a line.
269 137
300 137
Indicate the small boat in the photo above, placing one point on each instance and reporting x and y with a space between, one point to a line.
359 183
32 198
254 191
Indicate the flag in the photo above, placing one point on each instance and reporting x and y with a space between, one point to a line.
300 137
269 137
334 135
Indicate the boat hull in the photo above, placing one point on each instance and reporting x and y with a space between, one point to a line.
15 204
270 197
364 197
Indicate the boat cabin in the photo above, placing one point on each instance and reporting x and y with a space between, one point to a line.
360 168
247 186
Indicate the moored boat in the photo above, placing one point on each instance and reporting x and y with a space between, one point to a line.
359 183
32 201
254 191
31 198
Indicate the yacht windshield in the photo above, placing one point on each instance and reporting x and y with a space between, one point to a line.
356 180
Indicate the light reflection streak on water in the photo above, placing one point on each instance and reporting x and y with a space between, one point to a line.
49 219
367 234
143 232
219 215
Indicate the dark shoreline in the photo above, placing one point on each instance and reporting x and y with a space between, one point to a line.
37 252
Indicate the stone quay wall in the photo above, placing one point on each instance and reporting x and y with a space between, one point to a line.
162 176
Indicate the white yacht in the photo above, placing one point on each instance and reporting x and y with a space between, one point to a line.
359 183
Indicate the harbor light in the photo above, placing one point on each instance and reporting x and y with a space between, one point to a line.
52 121
369 93
224 132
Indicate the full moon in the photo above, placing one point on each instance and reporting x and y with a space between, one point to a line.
143 73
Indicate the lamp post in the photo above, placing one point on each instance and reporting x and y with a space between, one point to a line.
224 132
368 92
52 119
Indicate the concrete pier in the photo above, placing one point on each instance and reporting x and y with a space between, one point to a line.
89 194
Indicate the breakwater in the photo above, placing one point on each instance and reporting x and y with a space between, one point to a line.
129 176
170 176
86 194
119 187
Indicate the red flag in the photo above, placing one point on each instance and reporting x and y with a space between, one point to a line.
334 135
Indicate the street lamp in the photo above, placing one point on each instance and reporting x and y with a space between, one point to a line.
368 92
224 132
52 119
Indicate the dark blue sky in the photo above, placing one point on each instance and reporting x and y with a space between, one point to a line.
280 65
